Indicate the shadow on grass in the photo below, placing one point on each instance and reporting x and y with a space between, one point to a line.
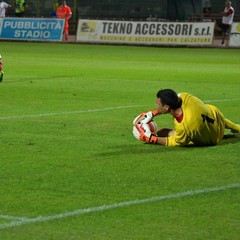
230 139
145 148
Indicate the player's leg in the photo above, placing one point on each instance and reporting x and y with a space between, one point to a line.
224 33
165 132
1 71
1 75
234 128
66 30
226 123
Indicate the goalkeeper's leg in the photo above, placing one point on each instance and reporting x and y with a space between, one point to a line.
234 128
165 132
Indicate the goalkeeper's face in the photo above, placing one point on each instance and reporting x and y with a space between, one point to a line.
162 108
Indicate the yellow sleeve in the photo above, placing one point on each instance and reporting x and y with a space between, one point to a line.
180 137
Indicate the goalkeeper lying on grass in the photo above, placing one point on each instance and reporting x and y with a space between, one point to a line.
195 122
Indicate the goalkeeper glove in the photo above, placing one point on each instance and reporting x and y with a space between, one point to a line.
143 133
145 117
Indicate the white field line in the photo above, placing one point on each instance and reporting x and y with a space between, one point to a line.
97 110
23 221
71 112
221 100
7 217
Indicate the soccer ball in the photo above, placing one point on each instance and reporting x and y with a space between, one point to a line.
148 128
153 127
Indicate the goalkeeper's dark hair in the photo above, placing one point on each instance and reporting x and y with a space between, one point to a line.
170 98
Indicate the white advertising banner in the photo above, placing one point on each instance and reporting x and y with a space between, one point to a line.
149 33
235 35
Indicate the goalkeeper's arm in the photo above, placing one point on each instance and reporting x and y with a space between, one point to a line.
162 141
162 137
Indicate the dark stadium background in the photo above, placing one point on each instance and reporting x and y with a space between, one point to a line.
160 10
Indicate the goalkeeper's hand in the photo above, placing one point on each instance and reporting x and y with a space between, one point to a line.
145 117
143 133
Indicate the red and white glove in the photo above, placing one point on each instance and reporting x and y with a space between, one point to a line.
142 132
145 117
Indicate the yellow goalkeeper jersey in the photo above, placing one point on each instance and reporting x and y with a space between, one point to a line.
202 124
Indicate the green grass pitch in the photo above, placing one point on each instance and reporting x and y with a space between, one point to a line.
70 167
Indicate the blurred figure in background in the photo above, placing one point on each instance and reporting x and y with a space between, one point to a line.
227 20
207 9
55 7
65 12
20 8
3 7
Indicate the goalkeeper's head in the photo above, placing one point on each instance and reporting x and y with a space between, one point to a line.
170 98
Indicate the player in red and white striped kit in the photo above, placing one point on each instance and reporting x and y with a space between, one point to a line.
227 20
